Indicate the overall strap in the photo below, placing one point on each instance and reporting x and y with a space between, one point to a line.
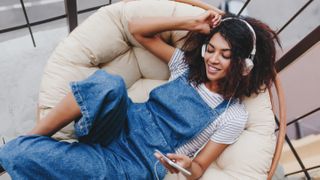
220 108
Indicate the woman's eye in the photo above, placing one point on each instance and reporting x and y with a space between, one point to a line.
210 50
226 56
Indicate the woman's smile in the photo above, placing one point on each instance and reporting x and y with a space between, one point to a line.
212 69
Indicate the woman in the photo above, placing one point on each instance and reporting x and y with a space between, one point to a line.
227 50
198 112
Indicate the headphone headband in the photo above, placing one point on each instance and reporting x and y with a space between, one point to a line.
253 51
248 61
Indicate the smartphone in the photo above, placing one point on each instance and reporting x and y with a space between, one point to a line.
173 164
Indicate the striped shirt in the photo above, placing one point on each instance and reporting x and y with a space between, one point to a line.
225 129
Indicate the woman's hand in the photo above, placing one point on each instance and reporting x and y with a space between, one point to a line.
182 160
206 21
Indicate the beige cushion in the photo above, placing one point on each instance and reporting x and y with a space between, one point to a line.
103 42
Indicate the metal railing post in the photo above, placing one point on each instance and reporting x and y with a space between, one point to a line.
72 13
299 133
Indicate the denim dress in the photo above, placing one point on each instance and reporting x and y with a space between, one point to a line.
117 137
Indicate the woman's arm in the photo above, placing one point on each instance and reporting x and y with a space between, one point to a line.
61 115
198 165
145 30
207 155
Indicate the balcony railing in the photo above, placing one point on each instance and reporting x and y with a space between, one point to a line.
71 14
292 55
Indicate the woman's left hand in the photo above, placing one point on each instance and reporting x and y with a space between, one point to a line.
206 21
182 160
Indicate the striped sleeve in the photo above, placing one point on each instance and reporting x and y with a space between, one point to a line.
229 132
176 64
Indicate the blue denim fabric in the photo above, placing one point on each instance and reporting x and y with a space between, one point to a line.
119 136
103 102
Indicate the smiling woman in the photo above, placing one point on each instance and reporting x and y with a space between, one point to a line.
194 117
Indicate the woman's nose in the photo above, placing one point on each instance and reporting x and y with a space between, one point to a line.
214 58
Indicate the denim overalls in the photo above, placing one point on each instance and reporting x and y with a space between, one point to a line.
119 136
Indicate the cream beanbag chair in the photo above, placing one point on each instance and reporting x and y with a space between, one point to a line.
104 42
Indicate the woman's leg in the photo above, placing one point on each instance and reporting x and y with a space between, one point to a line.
103 100
61 115
41 157
99 103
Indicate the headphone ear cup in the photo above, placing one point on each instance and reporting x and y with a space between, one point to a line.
248 65
203 50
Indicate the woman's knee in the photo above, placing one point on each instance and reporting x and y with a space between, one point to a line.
115 86
118 88
102 87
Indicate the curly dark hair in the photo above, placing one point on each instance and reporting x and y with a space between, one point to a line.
240 39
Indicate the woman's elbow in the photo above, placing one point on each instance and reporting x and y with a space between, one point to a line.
133 27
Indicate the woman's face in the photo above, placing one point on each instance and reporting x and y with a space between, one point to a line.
217 58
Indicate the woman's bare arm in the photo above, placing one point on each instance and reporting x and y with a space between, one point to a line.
146 30
61 115
207 155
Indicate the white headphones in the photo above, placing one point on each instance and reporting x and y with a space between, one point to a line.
249 60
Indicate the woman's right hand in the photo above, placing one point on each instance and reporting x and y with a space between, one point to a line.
206 21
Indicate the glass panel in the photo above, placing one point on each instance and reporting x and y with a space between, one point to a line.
310 125
25 32
43 9
297 29
51 25
85 4
289 163
14 34
301 26
11 14
83 16
308 151
300 83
